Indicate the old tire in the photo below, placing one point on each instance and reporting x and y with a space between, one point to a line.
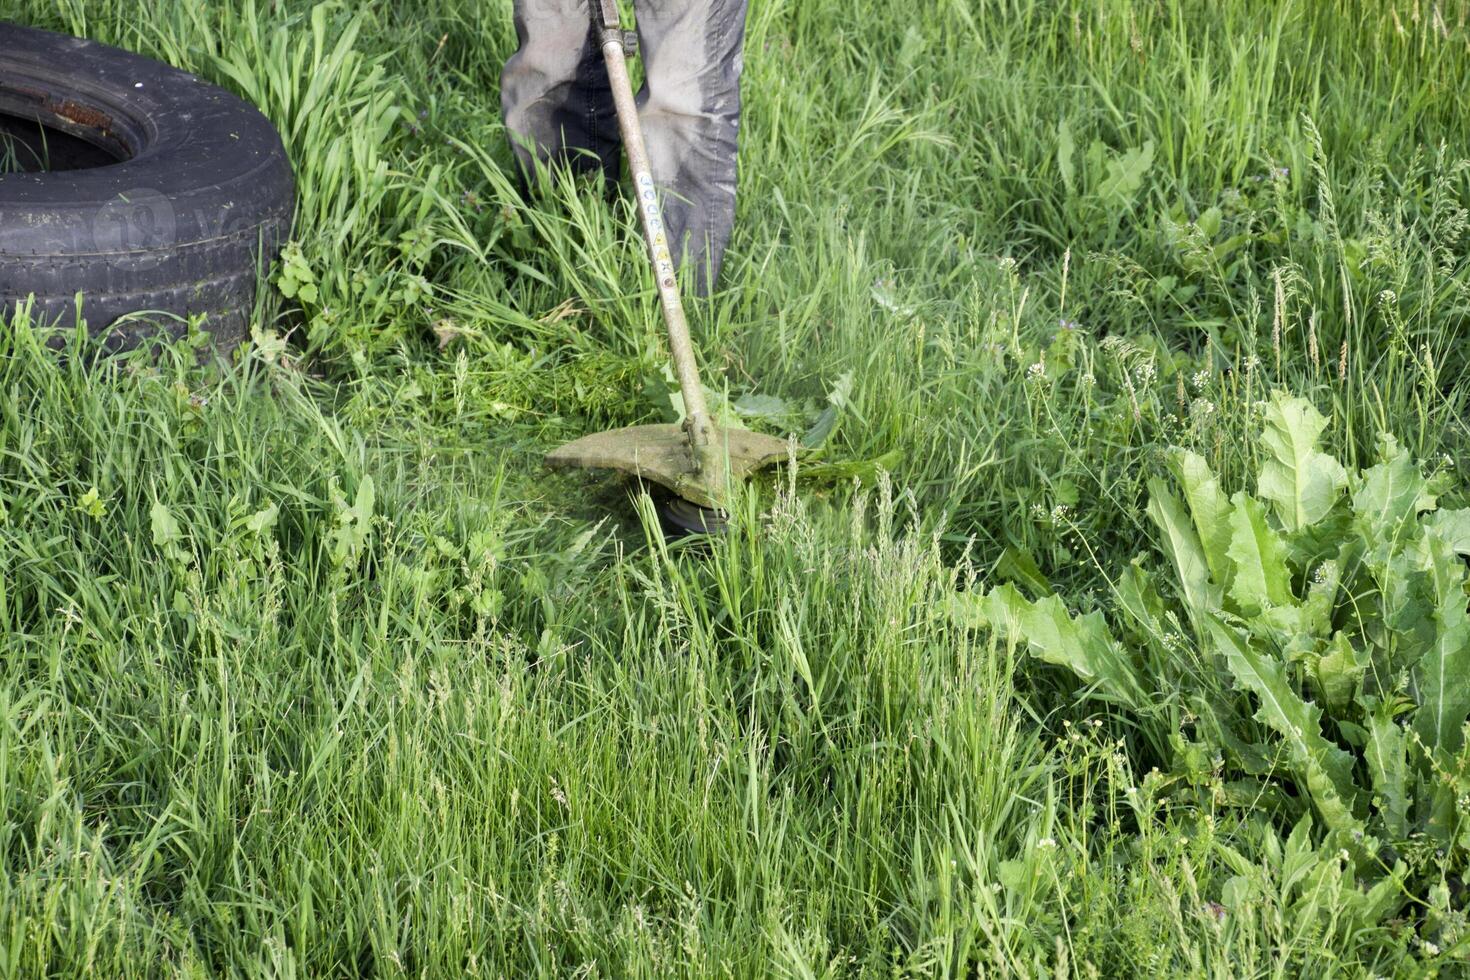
161 192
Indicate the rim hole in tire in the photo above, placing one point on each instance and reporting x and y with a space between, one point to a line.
28 147
43 129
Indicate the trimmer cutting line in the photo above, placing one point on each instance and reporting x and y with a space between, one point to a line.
699 461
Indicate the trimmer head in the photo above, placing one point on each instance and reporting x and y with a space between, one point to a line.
662 454
697 462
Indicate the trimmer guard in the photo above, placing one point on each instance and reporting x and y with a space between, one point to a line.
661 454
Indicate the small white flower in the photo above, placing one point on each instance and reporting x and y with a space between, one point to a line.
1046 843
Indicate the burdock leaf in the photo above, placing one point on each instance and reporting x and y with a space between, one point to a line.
1184 549
1210 510
1320 768
1261 577
1299 480
1082 644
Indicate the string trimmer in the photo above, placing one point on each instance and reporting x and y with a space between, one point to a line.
699 461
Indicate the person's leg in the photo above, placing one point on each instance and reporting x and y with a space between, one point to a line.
554 92
690 108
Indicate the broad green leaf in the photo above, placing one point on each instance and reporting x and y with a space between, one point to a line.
1389 497
1299 858
1387 766
91 504
1183 547
1443 673
1124 177
1340 672
1261 577
354 523
263 520
1299 480
1383 899
1322 769
1209 221
1017 565
1321 598
1140 601
1453 527
362 506
1218 713
1066 150
165 528
1299 629
1210 509
762 406
838 400
1400 623
1083 644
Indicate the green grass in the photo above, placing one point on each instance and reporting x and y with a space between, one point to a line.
310 669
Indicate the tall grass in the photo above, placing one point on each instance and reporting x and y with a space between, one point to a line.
310 669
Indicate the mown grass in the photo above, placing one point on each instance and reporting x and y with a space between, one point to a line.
309 668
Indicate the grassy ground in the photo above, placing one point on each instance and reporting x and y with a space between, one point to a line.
310 669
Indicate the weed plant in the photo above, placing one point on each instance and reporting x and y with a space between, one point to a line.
310 669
